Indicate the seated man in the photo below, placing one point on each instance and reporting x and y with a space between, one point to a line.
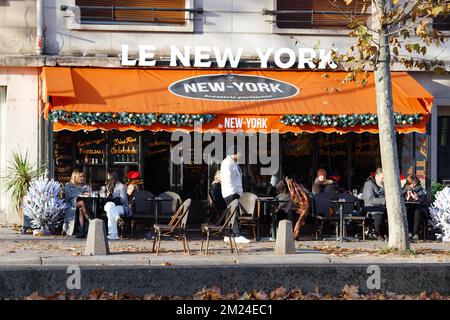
321 181
375 202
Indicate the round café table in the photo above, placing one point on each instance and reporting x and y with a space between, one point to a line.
94 203
340 204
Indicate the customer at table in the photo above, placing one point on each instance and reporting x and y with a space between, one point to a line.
216 193
413 192
231 183
72 191
117 204
375 202
286 206
321 181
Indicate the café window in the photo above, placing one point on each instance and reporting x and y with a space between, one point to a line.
319 14
166 12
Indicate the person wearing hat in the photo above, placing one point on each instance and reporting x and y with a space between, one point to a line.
134 183
231 180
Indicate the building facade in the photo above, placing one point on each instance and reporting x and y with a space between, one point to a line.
90 34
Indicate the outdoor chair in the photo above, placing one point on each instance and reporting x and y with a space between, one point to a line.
176 228
248 214
224 227
350 213
323 212
169 207
142 210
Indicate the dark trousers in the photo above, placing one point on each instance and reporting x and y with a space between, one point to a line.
228 200
378 222
415 216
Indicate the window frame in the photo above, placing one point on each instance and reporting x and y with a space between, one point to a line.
75 24
305 31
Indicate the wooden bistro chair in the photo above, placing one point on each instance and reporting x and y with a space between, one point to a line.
224 227
176 228
248 216
350 214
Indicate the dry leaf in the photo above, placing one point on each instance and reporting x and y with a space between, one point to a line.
350 292
279 293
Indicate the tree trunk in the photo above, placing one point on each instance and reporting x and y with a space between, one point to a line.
398 231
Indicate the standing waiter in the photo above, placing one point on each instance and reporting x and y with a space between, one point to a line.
231 179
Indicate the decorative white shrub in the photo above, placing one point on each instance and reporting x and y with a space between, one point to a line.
43 204
440 213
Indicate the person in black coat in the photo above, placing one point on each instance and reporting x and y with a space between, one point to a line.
216 193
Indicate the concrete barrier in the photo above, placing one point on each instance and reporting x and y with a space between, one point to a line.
17 282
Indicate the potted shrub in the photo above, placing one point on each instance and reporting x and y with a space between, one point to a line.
440 213
44 205
17 178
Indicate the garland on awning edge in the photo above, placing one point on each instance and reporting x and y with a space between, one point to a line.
129 118
169 119
346 120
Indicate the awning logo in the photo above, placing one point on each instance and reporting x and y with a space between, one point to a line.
233 87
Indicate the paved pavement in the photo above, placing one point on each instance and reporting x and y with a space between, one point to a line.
28 250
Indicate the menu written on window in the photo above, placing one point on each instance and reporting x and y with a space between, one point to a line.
91 150
63 156
124 148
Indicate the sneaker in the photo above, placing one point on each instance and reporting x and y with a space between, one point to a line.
410 235
242 239
113 237
415 237
226 239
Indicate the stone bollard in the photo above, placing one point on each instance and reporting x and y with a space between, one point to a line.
285 243
96 243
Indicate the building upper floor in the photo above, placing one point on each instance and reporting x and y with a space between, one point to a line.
99 28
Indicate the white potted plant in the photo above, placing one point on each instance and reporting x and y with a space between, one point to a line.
44 205
440 213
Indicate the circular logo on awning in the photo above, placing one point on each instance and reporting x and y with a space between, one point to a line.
233 87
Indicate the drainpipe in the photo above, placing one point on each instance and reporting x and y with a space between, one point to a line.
39 27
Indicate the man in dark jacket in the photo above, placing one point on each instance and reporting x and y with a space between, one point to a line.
375 202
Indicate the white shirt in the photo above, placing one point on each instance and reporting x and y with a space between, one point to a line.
231 176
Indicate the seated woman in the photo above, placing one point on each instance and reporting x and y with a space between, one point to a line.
413 191
117 204
72 191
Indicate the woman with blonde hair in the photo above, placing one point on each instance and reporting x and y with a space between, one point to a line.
72 191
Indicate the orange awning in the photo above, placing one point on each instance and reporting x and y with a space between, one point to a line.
146 91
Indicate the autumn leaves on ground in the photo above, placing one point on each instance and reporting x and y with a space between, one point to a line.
347 293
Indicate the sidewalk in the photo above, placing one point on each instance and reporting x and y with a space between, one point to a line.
31 264
28 250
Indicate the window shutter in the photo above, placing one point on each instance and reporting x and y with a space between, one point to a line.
110 14
324 14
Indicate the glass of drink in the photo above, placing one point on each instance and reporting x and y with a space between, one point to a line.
355 192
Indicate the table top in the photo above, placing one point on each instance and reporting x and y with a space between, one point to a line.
90 197
158 199
344 201
412 202
268 198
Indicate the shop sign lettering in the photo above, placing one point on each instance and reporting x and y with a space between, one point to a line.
123 141
202 57
233 87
